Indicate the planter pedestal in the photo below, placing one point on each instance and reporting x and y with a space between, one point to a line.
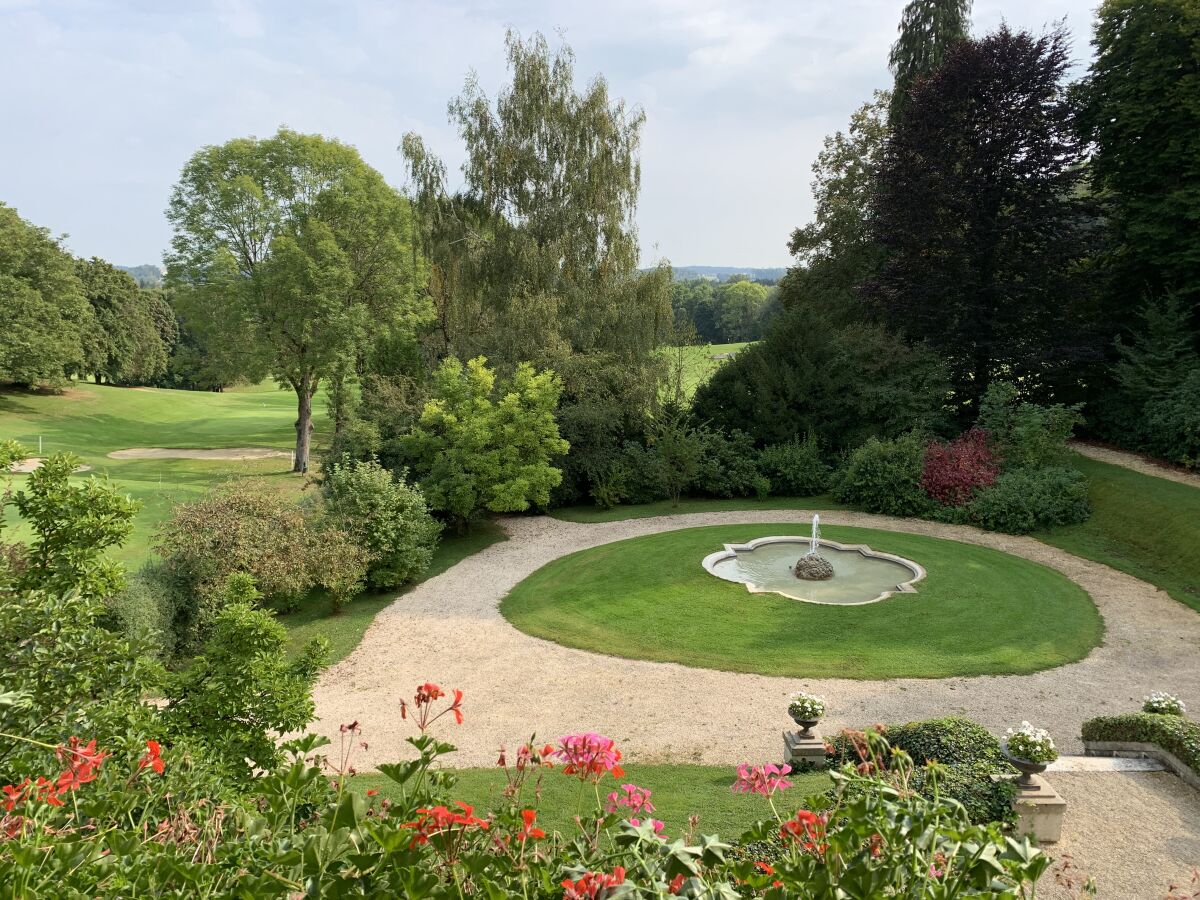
1039 811
804 747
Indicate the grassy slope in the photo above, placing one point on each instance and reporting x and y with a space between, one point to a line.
678 792
346 629
1148 527
979 611
698 364
92 420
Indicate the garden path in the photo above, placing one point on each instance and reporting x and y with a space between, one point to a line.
1142 464
449 630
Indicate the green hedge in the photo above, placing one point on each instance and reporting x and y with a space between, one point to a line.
1175 734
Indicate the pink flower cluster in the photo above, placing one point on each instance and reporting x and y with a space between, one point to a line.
589 755
631 797
764 780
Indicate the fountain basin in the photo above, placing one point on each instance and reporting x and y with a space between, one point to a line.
860 575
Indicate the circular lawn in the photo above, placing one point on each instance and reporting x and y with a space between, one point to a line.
978 611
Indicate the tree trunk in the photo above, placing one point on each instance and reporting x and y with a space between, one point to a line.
305 388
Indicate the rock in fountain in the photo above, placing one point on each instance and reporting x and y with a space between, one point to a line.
812 566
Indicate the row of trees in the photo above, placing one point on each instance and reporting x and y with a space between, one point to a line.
66 316
731 311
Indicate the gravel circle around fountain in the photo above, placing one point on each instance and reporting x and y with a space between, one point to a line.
449 630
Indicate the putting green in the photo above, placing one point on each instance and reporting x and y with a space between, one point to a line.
978 611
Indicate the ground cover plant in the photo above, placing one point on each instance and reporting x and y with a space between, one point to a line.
979 611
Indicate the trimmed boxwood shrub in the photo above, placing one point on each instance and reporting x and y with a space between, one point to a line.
974 770
1025 500
795 469
1175 734
885 477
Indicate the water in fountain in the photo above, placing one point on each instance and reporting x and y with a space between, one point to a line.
815 543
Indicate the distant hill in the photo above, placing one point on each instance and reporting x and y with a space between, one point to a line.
145 276
721 273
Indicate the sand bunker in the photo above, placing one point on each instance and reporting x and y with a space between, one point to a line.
25 466
238 453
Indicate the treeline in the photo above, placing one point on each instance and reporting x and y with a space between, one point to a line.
708 311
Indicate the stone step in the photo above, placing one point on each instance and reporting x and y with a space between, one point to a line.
1104 764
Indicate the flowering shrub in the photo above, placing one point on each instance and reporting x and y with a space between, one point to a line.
806 707
1030 744
1163 703
953 472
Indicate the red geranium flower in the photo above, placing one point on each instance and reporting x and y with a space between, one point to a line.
528 817
152 758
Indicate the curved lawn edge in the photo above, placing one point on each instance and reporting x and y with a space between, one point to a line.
1030 617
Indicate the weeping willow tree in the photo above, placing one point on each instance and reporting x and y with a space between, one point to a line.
535 257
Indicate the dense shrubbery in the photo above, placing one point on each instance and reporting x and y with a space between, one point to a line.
287 549
812 374
727 466
1026 435
1176 734
971 768
795 468
384 515
1026 500
885 477
953 472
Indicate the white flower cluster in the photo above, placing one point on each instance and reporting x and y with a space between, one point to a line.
1164 703
1032 744
806 706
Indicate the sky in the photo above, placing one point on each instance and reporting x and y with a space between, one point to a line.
104 102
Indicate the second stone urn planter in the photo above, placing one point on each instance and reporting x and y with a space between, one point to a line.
805 724
1027 768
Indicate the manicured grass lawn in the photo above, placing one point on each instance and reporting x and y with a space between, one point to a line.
346 628
979 611
1148 527
678 791
588 514
698 363
92 420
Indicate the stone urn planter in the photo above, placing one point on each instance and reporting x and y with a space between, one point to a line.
805 724
1027 768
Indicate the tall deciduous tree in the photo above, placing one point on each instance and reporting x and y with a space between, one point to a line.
978 212
837 251
43 312
536 258
1142 110
126 344
290 255
928 29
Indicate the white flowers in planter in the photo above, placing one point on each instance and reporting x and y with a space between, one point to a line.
1031 744
1163 703
806 707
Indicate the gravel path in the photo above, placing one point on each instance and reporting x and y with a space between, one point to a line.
449 630
1136 834
1137 463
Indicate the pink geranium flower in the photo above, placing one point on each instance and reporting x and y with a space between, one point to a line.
631 797
765 780
589 756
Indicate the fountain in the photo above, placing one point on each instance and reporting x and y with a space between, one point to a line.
826 572
812 566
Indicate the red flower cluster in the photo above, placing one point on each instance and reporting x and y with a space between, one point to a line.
426 694
528 817
152 758
592 884
808 828
954 471
439 821
528 755
82 762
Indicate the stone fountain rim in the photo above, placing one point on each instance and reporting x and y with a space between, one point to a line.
731 551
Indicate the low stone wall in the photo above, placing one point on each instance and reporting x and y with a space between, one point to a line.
1139 750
